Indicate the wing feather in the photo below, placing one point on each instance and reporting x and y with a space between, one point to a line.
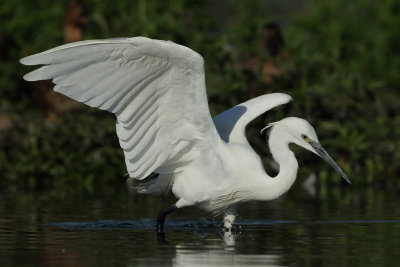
87 76
140 132
155 88
231 124
50 71
77 50
125 131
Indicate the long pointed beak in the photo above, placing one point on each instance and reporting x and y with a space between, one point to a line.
323 154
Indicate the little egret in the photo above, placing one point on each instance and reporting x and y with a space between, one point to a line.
157 91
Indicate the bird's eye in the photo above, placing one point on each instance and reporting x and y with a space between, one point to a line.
305 137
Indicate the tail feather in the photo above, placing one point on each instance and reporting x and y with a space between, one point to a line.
154 184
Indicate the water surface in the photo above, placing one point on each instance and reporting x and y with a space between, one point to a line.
351 229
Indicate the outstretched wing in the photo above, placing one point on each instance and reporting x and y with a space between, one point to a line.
155 88
231 124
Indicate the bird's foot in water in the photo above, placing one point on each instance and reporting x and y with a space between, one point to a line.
229 225
235 229
161 238
229 221
228 234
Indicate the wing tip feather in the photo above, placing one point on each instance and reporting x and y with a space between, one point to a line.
285 97
28 61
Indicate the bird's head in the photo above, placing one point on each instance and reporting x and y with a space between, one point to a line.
300 132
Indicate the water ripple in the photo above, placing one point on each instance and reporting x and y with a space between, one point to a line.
202 223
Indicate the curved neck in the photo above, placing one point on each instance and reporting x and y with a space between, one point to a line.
274 187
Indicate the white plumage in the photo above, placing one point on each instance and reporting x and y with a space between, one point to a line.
155 88
157 91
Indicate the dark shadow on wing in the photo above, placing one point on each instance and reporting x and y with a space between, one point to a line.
226 121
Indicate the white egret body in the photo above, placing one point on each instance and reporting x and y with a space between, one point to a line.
157 91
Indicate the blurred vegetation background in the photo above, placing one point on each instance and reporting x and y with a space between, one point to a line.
339 60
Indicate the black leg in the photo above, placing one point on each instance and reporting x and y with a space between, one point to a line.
161 238
161 217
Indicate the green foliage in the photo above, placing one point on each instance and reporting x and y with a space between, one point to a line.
347 56
341 69
77 151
